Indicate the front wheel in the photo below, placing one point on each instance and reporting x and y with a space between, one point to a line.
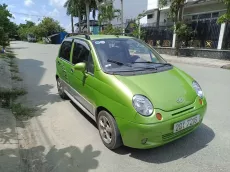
108 130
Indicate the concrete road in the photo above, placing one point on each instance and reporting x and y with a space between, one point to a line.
62 138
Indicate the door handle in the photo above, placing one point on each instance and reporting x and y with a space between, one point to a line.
71 70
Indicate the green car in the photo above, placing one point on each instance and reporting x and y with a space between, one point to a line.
136 98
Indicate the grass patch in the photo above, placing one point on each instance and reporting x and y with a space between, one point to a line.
8 95
17 78
3 56
12 93
15 70
10 55
21 111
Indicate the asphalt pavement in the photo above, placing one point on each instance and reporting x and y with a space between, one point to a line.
61 138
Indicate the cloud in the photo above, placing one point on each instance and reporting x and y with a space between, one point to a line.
68 27
34 12
11 6
26 19
58 3
28 3
54 13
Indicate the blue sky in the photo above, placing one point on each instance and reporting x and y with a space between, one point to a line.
34 10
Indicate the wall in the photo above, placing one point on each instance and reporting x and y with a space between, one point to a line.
154 19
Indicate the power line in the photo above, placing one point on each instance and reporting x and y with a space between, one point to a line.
26 14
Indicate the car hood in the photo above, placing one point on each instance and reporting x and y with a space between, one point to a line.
168 90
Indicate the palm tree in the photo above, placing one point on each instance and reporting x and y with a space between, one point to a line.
70 10
74 9
107 13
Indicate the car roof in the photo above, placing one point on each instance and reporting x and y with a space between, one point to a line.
96 37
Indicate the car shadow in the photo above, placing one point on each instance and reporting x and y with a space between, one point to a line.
181 148
84 114
39 158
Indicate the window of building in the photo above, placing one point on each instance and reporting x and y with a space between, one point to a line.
149 16
65 50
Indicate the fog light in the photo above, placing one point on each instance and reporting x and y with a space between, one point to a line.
144 141
159 116
201 102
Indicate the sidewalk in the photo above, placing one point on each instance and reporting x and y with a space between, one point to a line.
9 147
197 61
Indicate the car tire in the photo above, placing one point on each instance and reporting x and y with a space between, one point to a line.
108 130
61 92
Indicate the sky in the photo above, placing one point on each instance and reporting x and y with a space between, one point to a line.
34 10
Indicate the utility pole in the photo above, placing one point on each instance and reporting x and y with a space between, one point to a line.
122 17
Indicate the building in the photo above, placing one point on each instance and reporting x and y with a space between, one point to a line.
200 15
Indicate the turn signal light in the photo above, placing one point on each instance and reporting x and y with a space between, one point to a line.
159 116
200 101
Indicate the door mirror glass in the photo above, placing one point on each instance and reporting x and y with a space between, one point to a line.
80 67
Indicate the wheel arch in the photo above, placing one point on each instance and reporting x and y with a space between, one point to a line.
99 109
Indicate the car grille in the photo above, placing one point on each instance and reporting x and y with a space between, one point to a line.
170 136
185 110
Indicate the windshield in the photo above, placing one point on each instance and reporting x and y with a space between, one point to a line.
124 55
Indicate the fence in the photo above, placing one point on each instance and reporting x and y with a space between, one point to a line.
158 36
205 34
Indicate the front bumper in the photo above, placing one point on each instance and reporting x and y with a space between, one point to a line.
156 134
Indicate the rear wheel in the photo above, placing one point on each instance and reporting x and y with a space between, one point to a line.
61 89
108 130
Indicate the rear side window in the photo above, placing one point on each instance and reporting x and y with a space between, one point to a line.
65 50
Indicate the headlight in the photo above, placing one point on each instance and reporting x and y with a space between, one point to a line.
142 105
198 89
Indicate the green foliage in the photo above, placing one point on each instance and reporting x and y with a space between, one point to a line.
225 17
5 16
27 28
20 111
107 13
47 27
110 30
182 30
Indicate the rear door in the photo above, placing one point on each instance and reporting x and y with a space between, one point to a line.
63 62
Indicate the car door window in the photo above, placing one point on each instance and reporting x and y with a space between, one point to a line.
65 50
82 54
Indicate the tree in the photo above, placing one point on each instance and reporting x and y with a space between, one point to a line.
71 9
90 5
48 26
5 23
25 29
107 13
175 13
225 17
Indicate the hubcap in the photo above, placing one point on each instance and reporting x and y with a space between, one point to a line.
105 129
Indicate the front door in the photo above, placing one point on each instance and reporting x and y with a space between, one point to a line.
63 63
82 82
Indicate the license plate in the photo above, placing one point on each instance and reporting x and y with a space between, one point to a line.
186 123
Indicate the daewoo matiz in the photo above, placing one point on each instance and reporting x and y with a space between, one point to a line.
136 98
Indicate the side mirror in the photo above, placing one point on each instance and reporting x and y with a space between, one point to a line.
80 67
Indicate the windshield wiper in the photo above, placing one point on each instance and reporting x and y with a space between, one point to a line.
118 63
162 64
